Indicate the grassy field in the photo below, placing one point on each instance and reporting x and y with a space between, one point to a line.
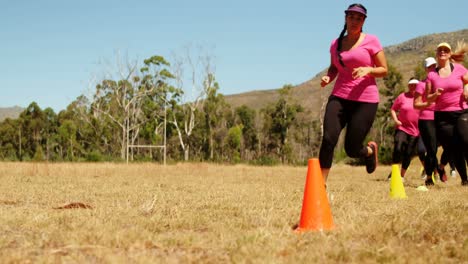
192 213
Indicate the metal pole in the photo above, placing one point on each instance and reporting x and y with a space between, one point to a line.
165 124
127 145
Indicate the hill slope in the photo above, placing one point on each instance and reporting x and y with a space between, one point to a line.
405 57
10 112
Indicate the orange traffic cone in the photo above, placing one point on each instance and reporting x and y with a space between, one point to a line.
316 213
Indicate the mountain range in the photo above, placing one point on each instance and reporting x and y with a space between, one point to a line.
10 112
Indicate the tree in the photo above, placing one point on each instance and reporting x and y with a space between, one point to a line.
50 132
245 116
213 111
280 117
79 133
307 136
233 142
67 136
154 106
32 128
202 79
10 139
122 101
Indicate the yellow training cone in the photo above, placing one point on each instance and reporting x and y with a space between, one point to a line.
397 190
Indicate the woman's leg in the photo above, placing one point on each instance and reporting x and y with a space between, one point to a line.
360 122
408 153
421 149
334 121
361 118
448 135
399 143
462 147
428 136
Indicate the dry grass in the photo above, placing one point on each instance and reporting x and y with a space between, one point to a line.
215 214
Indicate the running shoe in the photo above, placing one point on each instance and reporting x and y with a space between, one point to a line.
372 160
429 182
453 173
442 174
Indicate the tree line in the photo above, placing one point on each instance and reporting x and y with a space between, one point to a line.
144 113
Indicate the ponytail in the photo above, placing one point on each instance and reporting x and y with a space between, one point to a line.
459 54
338 48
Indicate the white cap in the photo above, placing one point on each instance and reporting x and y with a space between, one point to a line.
429 61
413 81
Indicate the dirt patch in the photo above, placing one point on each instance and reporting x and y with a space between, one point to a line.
74 206
6 202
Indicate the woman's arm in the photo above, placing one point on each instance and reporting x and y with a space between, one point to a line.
331 75
395 117
465 92
380 69
431 97
418 102
465 86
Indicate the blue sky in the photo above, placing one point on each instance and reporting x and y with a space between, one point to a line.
51 50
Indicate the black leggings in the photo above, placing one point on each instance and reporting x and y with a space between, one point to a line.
403 148
428 135
421 149
357 117
452 133
446 159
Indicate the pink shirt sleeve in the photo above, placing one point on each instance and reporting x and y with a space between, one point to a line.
362 89
397 103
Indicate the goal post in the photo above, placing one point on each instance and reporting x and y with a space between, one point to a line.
148 146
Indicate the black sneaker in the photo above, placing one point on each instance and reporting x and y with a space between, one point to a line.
429 181
372 160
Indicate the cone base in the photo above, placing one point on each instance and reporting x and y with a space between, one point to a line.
302 230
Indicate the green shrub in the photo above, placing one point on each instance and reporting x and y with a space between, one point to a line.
94 156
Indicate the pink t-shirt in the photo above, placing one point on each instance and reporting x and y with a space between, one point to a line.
362 89
428 112
451 98
406 113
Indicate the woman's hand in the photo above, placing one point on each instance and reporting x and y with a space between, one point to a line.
433 97
325 80
361 72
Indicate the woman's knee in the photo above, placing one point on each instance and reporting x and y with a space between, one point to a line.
329 140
